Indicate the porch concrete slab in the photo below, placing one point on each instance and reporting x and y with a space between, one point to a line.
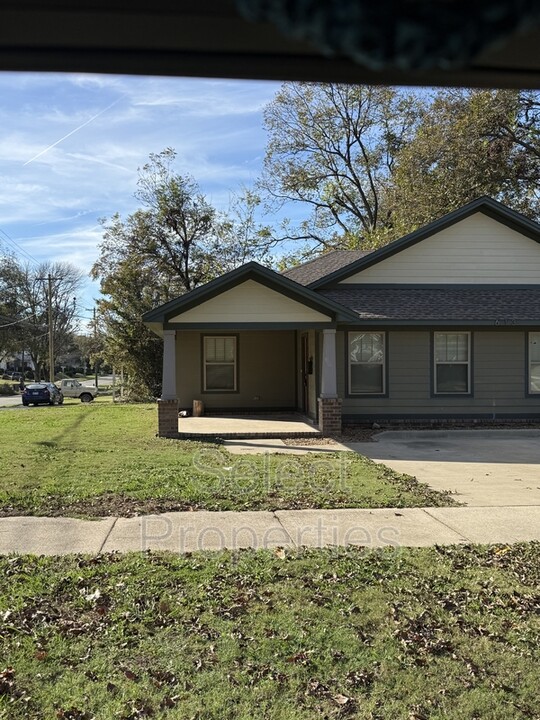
247 426
481 467
202 530
275 445
407 527
491 524
53 536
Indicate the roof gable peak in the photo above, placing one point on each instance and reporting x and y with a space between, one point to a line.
487 205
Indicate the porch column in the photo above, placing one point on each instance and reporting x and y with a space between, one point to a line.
329 376
168 404
168 391
329 403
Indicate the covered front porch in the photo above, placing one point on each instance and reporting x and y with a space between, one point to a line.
271 383
251 341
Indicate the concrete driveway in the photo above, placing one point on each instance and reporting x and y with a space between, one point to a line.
482 467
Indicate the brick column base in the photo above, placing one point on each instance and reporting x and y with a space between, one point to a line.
330 416
168 418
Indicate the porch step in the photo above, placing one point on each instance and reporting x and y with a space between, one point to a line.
272 426
247 435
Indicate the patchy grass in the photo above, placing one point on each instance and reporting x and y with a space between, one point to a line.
104 459
438 633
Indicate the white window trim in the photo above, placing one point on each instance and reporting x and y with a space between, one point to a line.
234 363
530 361
468 363
350 364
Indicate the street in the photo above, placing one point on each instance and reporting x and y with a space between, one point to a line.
7 401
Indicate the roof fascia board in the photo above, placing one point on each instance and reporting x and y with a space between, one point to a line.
367 287
249 325
488 206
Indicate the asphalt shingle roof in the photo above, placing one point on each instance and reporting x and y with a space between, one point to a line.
323 265
433 304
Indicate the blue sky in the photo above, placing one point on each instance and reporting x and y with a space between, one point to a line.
70 146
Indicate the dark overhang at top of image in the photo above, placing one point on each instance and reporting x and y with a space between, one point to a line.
486 43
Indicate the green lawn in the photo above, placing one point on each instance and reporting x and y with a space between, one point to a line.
104 459
438 633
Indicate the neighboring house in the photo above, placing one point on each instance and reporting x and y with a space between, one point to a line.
443 323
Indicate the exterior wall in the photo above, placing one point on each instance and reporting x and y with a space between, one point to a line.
266 370
475 250
251 302
499 379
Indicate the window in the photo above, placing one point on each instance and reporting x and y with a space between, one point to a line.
366 363
452 362
534 362
219 363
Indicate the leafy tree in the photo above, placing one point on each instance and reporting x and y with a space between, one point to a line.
332 148
366 165
9 307
468 143
173 243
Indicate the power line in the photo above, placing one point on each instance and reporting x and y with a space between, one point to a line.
16 246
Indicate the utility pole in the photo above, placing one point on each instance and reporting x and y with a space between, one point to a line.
95 339
51 331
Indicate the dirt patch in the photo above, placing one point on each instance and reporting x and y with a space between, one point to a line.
108 505
351 433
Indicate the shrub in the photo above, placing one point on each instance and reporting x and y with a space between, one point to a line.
7 388
137 392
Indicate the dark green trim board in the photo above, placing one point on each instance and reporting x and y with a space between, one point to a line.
435 286
247 326
260 274
486 205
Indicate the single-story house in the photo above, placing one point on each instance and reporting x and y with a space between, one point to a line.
443 323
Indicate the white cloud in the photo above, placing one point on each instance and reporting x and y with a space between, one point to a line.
51 205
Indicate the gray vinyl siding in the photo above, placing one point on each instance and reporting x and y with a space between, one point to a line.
266 370
499 376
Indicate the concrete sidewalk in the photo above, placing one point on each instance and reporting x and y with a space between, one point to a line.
191 531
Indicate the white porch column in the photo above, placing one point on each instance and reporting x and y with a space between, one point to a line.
329 374
168 391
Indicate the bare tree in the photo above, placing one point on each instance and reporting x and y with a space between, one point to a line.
332 148
31 329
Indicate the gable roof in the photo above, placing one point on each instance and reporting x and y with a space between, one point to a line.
486 205
312 270
249 271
